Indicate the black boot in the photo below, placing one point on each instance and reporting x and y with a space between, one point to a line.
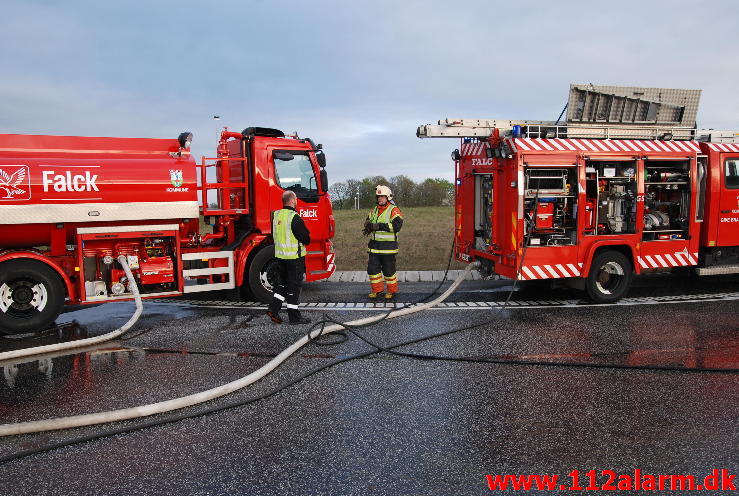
296 318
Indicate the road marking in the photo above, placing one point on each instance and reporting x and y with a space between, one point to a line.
472 305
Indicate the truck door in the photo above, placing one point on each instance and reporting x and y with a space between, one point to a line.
294 170
728 227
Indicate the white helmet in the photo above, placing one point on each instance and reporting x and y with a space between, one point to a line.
384 191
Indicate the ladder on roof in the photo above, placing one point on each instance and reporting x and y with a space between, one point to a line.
483 128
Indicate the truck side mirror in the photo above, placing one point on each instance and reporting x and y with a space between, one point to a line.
285 156
321 159
324 180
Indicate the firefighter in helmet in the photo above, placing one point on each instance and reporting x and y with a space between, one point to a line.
382 226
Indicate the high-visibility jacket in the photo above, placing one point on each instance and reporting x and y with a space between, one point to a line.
287 245
385 241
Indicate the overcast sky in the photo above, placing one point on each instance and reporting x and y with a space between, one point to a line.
358 77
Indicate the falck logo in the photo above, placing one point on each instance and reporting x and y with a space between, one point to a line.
15 182
175 177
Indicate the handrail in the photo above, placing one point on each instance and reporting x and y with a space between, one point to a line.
224 201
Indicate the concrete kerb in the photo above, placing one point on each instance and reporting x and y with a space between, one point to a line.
404 276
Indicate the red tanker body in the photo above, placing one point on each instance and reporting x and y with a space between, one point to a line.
69 206
591 202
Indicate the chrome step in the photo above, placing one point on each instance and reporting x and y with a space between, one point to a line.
718 269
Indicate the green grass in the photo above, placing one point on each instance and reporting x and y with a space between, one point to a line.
425 239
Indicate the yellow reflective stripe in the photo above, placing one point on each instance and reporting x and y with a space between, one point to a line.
374 250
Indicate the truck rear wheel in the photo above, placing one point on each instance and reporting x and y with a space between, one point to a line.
261 276
610 277
31 296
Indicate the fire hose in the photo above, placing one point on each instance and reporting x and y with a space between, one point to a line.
211 394
37 350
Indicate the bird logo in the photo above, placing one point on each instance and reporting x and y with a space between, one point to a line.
15 185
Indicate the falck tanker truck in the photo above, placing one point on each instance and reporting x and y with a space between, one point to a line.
626 185
70 206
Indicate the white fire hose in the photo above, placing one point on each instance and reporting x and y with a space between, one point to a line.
37 350
210 394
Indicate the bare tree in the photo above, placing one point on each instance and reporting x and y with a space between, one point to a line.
340 195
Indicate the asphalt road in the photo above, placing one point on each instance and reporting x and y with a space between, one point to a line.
385 424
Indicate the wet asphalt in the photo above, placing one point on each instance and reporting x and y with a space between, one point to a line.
385 424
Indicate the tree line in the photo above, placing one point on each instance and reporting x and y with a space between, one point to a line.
431 192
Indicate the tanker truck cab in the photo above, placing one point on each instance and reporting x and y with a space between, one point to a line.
273 163
70 206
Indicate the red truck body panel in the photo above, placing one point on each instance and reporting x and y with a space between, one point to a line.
77 203
661 174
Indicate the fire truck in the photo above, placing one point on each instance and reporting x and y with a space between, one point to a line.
70 206
626 185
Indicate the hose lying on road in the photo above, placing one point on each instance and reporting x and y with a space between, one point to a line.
37 350
217 392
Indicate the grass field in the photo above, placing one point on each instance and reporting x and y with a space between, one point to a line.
425 239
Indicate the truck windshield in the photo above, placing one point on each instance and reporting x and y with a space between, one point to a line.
297 175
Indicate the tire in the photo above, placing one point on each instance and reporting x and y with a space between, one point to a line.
31 296
261 275
610 277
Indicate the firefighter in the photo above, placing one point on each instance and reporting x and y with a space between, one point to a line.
291 237
382 226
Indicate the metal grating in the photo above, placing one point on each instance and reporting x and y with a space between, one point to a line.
632 105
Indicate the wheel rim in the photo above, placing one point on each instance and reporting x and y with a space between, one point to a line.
268 275
23 298
609 278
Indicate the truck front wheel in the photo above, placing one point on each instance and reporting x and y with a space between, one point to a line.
31 296
610 277
261 276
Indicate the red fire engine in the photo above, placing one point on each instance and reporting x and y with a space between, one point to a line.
69 206
627 185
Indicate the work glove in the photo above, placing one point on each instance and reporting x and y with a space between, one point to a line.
367 228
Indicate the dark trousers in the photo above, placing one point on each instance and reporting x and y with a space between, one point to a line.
382 264
289 282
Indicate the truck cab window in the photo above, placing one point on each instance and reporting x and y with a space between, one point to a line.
732 174
297 175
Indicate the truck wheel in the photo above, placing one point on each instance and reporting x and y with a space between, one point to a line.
610 277
262 275
31 296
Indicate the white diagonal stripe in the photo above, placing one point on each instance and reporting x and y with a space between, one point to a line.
661 260
641 262
556 144
568 145
540 272
679 257
578 144
552 271
528 272
651 262
671 260
682 146
520 142
563 270
533 144
630 145
574 269
544 144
